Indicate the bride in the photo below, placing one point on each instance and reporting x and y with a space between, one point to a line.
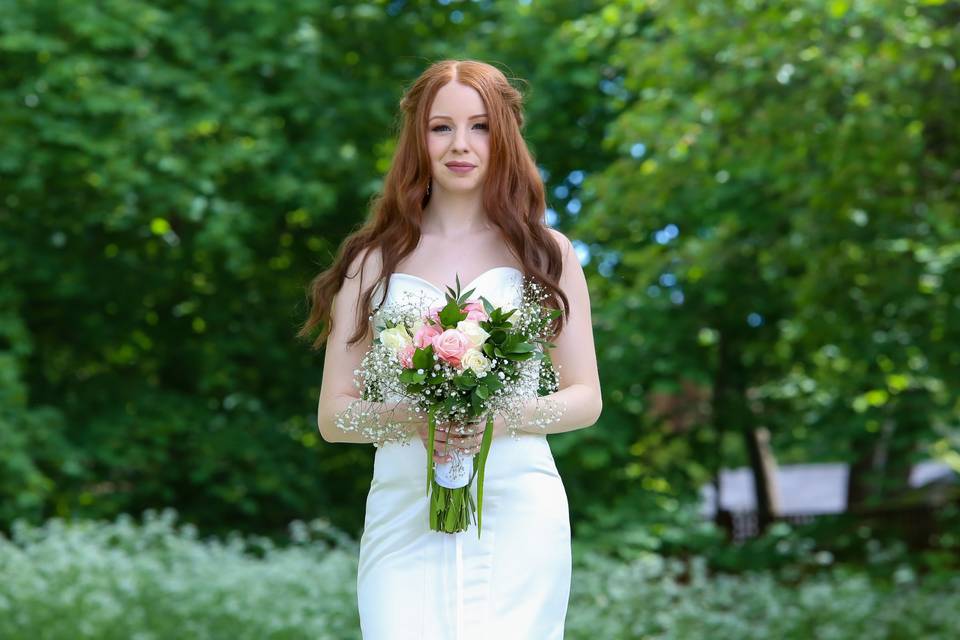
463 198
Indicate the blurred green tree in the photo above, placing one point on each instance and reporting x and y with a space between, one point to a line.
781 230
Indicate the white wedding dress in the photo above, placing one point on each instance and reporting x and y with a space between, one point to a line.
511 584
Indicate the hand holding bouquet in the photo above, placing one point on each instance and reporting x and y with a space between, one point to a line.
462 362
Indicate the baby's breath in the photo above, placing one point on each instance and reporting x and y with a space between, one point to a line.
387 412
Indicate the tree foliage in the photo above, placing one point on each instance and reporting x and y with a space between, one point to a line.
764 196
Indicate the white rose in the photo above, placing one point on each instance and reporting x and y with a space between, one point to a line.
475 360
417 324
396 337
473 331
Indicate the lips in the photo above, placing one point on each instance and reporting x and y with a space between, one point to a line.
460 168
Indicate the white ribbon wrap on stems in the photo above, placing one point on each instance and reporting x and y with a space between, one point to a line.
456 473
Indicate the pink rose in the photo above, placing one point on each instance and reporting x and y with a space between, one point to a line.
451 345
406 356
425 335
475 311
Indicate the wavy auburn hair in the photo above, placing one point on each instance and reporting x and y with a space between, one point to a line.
513 198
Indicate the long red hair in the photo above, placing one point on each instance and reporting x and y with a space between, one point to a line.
513 198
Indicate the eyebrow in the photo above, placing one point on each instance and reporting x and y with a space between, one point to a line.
481 115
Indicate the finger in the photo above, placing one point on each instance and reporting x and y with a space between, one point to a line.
466 441
471 428
469 451
463 443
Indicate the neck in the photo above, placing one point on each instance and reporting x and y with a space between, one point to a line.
451 215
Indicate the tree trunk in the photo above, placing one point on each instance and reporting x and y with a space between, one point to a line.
764 467
730 408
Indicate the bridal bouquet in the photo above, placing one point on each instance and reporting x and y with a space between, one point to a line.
464 361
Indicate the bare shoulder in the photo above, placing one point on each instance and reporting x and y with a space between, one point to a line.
571 271
563 242
361 274
369 260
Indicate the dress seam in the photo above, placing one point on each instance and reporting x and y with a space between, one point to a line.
423 590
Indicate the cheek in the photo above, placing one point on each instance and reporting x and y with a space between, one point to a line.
483 147
435 147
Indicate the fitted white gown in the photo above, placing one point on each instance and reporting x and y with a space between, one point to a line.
511 584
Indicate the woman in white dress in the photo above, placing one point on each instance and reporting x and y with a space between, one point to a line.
463 197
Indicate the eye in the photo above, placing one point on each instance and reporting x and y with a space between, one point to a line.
443 126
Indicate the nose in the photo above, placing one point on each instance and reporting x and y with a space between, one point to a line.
460 140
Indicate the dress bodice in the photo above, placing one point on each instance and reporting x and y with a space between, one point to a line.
502 286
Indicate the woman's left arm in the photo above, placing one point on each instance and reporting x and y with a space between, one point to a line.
578 402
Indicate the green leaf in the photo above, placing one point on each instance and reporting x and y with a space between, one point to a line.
423 358
465 296
492 382
466 380
484 452
476 403
432 428
451 314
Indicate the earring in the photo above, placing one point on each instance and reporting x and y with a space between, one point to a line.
428 188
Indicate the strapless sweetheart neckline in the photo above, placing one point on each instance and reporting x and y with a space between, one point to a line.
463 287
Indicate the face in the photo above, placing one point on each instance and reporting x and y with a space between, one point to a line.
458 132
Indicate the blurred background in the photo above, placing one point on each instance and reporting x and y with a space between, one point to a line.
765 197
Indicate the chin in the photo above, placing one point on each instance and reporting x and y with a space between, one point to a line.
462 186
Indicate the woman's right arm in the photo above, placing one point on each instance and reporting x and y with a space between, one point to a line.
339 398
